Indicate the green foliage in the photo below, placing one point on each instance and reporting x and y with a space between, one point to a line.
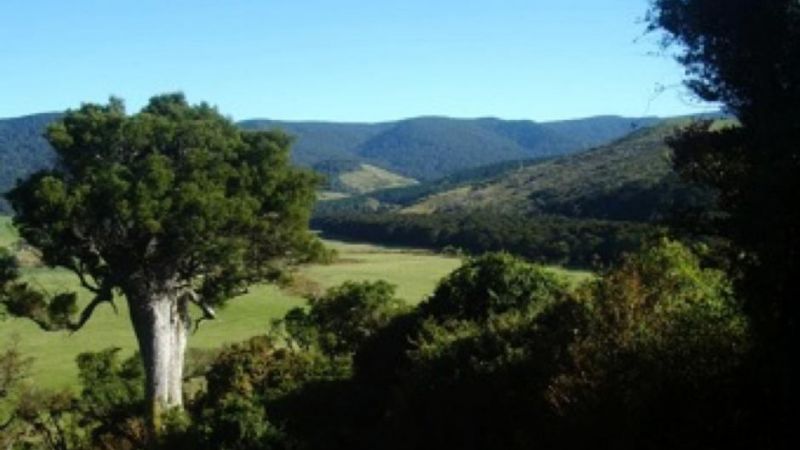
14 369
18 298
466 369
108 384
653 354
663 354
241 383
50 421
108 412
492 284
339 321
349 314
175 192
238 423
112 400
9 271
503 355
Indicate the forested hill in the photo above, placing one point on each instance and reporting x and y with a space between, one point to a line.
428 148
23 150
577 209
422 148
623 180
629 179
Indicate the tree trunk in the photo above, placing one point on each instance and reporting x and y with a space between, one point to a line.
160 321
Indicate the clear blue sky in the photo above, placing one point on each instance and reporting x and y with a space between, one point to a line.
342 60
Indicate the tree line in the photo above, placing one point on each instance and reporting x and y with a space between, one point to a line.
545 239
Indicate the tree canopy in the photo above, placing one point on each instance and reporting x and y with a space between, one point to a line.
169 206
744 55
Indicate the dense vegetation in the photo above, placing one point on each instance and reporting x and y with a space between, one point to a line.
502 355
670 347
745 57
545 239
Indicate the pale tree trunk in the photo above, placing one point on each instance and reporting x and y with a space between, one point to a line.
160 320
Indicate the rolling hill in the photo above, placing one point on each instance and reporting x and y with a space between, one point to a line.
563 185
427 148
628 179
320 141
580 209
424 148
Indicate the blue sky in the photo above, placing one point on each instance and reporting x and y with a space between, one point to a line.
341 60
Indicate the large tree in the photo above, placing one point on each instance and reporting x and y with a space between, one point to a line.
745 55
171 206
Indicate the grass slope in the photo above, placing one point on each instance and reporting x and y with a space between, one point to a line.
353 177
368 178
415 272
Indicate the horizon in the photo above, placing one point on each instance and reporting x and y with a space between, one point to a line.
348 61
347 122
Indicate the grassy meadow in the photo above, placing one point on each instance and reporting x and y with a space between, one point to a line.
415 272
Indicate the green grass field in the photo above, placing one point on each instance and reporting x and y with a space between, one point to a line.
414 272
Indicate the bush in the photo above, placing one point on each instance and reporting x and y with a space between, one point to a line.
467 368
350 313
660 361
492 284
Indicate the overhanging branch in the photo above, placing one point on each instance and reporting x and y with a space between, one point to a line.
103 296
80 271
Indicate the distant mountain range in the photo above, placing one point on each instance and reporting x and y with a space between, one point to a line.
630 179
397 153
427 148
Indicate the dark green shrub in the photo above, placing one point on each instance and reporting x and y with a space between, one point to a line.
660 362
492 284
